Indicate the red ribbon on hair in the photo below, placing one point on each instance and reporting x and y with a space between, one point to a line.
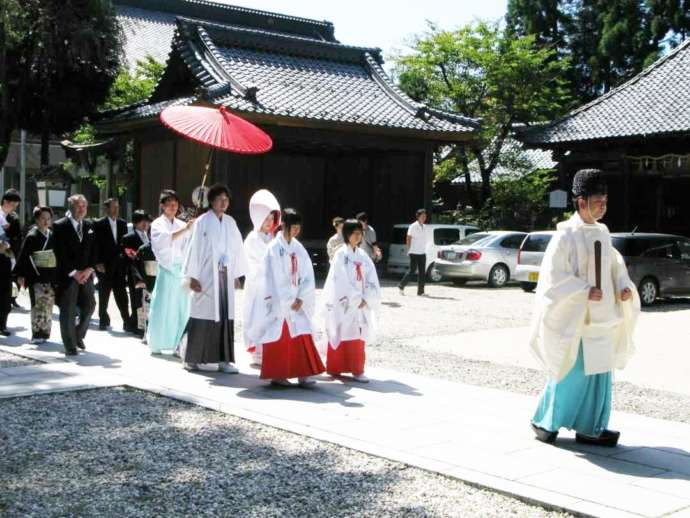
293 268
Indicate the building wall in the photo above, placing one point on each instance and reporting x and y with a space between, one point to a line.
388 184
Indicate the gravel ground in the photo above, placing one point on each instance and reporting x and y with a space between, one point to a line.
118 452
12 360
626 396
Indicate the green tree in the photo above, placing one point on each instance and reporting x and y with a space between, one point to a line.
14 25
481 71
670 16
70 56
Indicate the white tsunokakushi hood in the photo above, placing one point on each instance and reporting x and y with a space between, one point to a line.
261 204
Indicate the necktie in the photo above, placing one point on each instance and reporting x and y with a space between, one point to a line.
79 230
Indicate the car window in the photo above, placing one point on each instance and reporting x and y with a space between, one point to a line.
470 231
399 235
513 242
474 238
536 242
684 249
659 249
446 236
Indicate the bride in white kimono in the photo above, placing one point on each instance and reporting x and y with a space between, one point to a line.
283 309
581 332
264 211
214 263
352 297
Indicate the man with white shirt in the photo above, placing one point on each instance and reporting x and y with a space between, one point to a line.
10 241
76 255
416 249
111 268
132 242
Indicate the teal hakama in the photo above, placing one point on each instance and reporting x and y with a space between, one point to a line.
579 402
168 312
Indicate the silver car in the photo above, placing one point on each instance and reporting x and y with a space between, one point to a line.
530 256
486 256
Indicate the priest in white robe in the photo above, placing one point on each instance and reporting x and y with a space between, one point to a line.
264 211
582 327
215 261
352 297
281 317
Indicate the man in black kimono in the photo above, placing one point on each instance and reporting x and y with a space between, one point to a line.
10 243
76 255
111 268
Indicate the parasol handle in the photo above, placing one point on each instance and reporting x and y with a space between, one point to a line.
597 263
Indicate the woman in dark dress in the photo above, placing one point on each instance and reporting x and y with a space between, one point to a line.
36 271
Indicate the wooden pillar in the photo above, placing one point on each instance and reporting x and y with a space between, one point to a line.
428 178
625 168
659 204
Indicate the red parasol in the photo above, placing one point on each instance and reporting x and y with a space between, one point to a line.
218 129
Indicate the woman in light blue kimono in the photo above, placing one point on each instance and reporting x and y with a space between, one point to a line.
169 309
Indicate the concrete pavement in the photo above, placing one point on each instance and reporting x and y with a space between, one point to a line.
476 434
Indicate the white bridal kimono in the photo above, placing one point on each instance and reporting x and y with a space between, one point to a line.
261 204
352 278
213 243
277 287
565 317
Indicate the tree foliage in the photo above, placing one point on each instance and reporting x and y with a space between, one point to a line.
64 64
480 71
607 41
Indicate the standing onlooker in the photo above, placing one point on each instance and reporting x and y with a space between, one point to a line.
111 267
76 254
416 249
37 272
369 240
336 240
131 244
169 301
10 235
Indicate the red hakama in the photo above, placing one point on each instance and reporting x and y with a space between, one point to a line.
290 357
348 357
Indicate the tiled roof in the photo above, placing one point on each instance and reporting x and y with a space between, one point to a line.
146 33
289 76
655 102
515 160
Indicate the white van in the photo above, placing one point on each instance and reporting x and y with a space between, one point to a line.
437 235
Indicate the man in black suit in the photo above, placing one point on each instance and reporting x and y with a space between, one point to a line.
131 243
76 254
111 268
10 242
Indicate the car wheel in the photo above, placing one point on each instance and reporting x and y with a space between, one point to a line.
459 282
528 287
498 276
649 291
433 274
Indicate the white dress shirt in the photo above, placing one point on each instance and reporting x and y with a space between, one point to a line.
417 233
113 228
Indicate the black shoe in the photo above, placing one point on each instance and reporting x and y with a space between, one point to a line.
103 327
544 435
71 352
81 345
608 438
5 332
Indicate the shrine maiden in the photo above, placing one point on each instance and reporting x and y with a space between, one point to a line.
214 264
169 310
581 332
352 296
281 316
264 211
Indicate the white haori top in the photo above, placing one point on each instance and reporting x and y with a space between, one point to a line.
564 316
168 251
215 243
285 274
351 279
